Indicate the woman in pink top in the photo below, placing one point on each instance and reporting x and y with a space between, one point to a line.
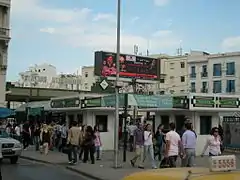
97 141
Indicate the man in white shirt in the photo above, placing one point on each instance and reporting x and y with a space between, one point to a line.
173 145
131 129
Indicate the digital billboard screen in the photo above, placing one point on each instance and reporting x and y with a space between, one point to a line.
131 66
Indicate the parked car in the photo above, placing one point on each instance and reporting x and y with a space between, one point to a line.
11 148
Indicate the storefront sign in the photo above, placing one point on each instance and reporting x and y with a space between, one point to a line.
181 102
203 101
93 102
110 101
225 102
34 111
65 103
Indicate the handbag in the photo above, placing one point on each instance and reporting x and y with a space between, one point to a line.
66 149
165 163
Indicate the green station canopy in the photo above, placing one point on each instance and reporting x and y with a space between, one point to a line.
35 111
143 101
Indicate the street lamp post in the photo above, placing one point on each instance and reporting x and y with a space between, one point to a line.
116 125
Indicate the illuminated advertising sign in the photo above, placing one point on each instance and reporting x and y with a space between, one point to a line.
131 66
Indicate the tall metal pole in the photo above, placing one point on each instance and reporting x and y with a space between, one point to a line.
116 126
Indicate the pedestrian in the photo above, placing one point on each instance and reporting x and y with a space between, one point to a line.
139 146
36 134
148 145
81 148
89 146
26 135
45 138
159 137
189 141
213 143
131 128
173 145
73 141
97 141
63 137
17 131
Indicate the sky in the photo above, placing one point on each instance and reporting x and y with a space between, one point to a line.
65 33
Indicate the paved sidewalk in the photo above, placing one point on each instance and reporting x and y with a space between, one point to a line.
102 170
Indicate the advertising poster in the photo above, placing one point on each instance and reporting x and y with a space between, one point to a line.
131 66
231 128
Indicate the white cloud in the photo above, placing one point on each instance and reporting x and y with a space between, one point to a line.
231 43
83 28
134 19
161 2
162 33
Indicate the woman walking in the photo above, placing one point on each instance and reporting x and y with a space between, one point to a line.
213 143
97 142
89 146
45 138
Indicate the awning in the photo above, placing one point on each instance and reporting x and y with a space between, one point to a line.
5 112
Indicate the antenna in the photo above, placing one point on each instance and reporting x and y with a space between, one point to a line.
135 49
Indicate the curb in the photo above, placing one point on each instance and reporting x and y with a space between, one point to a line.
37 160
67 167
84 173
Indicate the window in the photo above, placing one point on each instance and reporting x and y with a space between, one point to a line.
44 69
182 90
193 72
182 65
172 91
165 121
162 92
217 86
182 78
204 71
230 86
162 80
193 87
180 120
86 75
205 125
151 93
204 87
230 68
217 70
102 122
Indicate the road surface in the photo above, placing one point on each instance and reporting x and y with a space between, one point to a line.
27 170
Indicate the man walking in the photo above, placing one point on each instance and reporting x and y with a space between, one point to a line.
74 140
189 141
139 144
173 145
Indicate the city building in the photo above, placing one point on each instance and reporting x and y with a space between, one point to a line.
214 73
37 76
4 42
88 77
174 76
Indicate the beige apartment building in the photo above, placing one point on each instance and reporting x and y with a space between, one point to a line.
174 76
4 42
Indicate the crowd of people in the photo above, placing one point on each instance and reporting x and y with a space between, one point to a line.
78 141
166 145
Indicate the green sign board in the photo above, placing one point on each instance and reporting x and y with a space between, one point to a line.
65 103
110 101
203 101
35 111
181 102
93 102
227 102
152 101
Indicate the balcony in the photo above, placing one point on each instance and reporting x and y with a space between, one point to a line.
204 74
204 90
4 34
193 75
5 3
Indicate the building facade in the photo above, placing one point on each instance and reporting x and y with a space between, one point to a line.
214 73
4 42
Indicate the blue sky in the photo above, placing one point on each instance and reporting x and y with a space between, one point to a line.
65 33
